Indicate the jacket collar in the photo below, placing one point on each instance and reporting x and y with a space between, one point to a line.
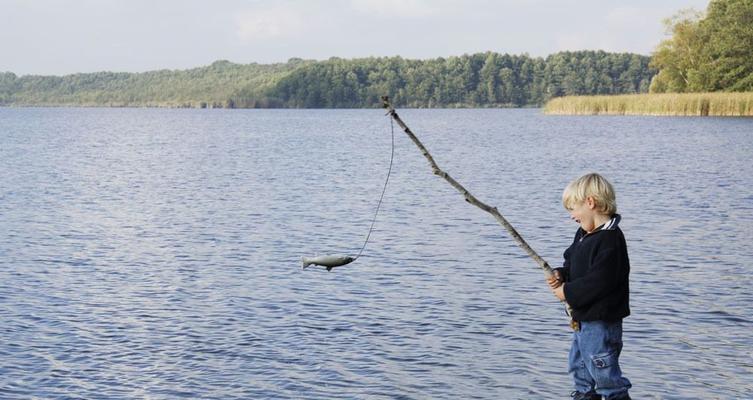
611 224
607 226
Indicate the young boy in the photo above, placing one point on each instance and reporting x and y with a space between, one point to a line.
594 282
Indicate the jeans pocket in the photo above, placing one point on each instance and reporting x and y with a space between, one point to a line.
606 369
604 360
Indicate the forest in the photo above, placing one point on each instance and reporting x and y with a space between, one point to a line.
708 51
472 80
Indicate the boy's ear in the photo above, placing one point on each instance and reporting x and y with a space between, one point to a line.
590 202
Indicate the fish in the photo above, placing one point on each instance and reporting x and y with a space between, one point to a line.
327 261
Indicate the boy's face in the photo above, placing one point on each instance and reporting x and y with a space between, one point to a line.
585 214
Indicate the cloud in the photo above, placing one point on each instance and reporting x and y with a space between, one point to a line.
280 21
400 8
627 18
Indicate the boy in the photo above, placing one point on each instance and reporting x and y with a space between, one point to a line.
594 282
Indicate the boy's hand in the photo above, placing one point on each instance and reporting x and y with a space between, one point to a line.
556 280
559 292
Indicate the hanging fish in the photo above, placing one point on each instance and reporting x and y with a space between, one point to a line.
333 261
327 261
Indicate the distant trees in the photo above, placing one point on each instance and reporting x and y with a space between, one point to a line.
707 53
211 86
8 86
476 80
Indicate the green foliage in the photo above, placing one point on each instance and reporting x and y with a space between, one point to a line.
476 80
707 53
8 86
210 86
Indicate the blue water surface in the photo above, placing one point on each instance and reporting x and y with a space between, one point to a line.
152 253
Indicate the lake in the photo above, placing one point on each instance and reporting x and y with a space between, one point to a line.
155 253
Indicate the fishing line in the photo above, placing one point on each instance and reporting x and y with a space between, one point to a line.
384 189
332 261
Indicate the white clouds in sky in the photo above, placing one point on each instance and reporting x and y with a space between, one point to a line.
60 37
400 8
292 19
622 27
617 32
278 21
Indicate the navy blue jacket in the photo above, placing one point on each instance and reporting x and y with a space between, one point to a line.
596 271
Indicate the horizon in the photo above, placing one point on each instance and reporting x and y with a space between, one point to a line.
49 38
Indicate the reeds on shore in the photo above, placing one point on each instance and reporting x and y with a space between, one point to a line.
683 104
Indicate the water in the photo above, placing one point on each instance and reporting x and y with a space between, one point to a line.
156 253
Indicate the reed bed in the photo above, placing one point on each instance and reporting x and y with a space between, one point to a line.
685 104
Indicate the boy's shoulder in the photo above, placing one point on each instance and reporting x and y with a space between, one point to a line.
612 238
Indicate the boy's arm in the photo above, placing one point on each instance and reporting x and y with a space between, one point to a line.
608 271
564 271
560 275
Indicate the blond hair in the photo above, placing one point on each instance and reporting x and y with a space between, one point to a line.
591 185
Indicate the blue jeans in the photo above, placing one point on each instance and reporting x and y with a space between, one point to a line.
594 359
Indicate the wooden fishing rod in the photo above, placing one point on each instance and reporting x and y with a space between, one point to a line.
476 202
468 196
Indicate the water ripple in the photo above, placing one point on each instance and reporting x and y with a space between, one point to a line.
156 254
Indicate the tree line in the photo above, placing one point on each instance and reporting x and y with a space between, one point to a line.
475 80
210 86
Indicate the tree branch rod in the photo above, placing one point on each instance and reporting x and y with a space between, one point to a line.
470 198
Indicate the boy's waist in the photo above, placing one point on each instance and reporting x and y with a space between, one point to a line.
598 324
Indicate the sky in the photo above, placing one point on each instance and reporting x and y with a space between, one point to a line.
59 37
